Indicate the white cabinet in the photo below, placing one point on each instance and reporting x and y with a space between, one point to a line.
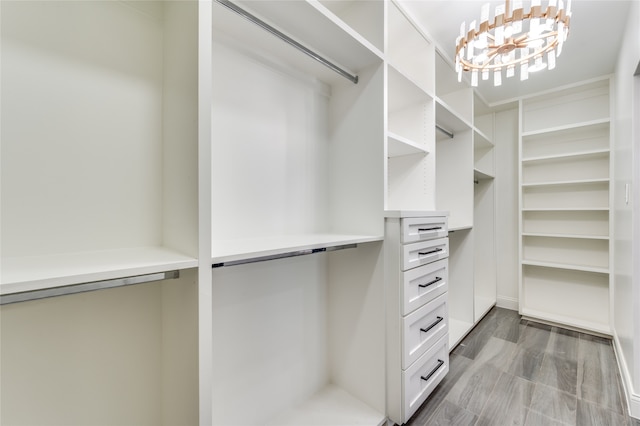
417 309
564 202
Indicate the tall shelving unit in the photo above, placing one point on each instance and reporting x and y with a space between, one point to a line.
301 337
564 202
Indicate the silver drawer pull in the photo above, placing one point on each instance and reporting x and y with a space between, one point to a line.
429 229
428 376
430 283
425 330
424 253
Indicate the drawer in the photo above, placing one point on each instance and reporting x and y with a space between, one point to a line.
423 284
422 328
419 380
423 228
418 254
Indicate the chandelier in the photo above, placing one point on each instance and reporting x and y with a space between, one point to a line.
513 39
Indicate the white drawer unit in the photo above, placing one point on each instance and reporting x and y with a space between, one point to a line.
424 252
423 376
416 281
423 284
423 228
422 328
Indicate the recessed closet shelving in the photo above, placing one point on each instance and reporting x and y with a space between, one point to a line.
296 165
99 182
565 200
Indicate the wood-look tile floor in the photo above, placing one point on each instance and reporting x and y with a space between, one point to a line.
509 371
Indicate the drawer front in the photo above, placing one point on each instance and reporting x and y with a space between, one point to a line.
419 380
423 228
418 254
423 284
422 328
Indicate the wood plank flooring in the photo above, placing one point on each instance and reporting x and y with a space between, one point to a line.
509 371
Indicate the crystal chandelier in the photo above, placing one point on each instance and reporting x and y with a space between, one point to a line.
513 39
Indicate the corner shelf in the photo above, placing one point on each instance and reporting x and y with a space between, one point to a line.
480 175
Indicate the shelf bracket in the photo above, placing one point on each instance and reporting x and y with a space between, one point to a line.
85 287
283 255
259 22
445 131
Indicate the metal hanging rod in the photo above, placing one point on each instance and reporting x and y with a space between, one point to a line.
287 39
84 287
445 131
283 255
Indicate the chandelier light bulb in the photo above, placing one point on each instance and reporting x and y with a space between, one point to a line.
513 37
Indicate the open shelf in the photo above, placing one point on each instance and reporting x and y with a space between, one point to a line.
581 196
567 155
364 17
42 272
234 250
570 222
565 182
449 120
548 235
397 146
304 22
567 266
576 252
580 298
587 167
480 175
330 406
573 107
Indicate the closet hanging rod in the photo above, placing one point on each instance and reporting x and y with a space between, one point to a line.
287 39
445 131
84 287
283 255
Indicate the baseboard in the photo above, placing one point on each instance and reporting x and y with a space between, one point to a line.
632 398
507 303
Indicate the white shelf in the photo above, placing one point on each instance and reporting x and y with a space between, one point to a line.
321 33
459 227
586 237
566 266
568 209
480 175
457 330
399 146
30 273
565 320
481 140
404 92
572 126
566 182
331 406
252 248
449 120
566 155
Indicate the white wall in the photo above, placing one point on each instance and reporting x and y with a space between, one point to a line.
506 181
625 157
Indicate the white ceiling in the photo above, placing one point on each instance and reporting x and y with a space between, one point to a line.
591 50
